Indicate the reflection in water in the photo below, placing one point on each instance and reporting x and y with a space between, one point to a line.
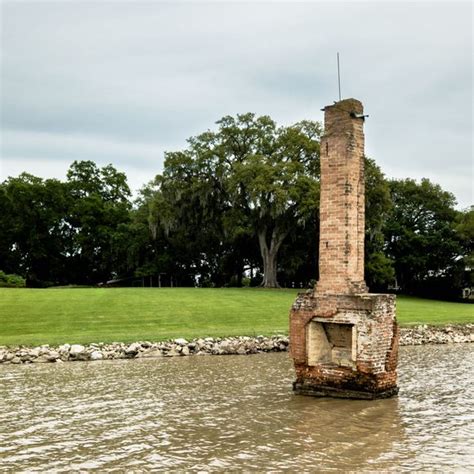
204 413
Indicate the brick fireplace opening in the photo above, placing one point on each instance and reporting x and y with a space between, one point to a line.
343 339
331 344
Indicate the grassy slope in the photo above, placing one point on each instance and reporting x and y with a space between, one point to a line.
54 316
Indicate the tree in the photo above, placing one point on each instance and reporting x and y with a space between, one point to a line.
299 255
175 236
99 206
421 235
465 231
248 180
53 232
379 269
33 229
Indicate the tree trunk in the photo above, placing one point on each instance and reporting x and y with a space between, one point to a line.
270 272
269 255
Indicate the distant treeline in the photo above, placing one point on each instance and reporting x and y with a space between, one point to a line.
238 206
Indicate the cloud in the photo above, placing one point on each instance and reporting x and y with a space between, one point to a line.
122 82
58 147
50 154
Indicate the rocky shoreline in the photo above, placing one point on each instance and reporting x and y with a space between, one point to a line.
241 345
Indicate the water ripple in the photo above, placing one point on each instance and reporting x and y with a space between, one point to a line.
232 413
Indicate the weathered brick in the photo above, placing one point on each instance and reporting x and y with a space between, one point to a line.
343 340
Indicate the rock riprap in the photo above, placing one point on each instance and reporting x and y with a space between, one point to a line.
206 346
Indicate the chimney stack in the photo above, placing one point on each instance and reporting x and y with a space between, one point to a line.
343 340
342 202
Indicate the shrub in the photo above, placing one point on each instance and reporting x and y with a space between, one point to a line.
11 281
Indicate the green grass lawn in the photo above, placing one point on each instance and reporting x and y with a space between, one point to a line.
81 315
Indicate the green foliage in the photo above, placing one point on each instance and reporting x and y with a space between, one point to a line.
99 209
33 229
421 237
379 270
11 281
237 207
54 232
249 183
464 227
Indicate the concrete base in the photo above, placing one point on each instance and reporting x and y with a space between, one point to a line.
322 391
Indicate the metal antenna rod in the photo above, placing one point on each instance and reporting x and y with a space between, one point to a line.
339 76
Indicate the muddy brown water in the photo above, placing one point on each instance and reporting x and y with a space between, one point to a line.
232 413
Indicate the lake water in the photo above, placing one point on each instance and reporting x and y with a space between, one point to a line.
233 412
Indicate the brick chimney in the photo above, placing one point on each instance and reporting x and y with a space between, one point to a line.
343 340
342 202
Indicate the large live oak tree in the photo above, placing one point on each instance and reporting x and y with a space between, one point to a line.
248 178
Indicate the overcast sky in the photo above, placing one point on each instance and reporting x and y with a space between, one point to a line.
121 82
